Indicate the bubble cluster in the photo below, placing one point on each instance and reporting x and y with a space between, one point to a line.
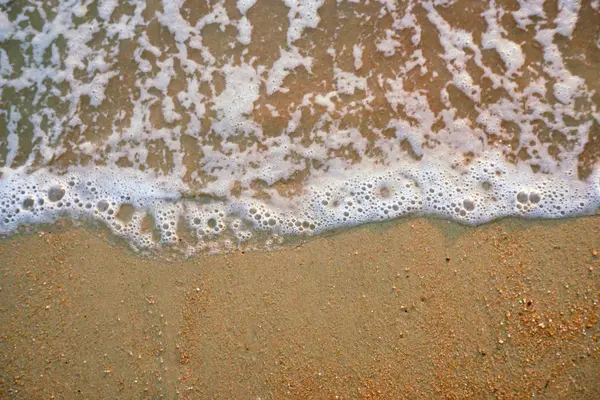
150 211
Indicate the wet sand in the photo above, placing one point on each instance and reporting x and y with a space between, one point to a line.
411 309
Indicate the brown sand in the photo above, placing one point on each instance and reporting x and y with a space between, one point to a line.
411 309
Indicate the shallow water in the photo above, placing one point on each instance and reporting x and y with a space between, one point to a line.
215 124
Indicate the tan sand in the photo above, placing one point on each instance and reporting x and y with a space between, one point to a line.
411 309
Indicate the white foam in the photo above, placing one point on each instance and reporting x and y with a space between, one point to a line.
245 31
288 61
357 52
303 14
528 9
106 8
6 27
353 147
325 101
5 65
12 140
347 82
483 191
566 20
509 51
237 100
245 5
388 45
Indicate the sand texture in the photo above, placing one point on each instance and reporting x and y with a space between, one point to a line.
412 309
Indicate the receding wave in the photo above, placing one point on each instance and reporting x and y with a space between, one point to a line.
214 124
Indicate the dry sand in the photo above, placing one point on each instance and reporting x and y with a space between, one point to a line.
411 309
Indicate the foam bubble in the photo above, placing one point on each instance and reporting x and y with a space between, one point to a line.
55 193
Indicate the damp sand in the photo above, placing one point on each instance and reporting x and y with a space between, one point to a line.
416 308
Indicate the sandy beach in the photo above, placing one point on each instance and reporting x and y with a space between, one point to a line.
416 308
249 136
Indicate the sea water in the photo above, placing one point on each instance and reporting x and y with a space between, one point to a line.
207 124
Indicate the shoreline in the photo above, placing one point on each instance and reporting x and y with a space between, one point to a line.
412 308
168 252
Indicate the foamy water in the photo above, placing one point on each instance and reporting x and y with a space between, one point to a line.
209 124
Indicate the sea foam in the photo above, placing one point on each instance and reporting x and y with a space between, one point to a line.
217 126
